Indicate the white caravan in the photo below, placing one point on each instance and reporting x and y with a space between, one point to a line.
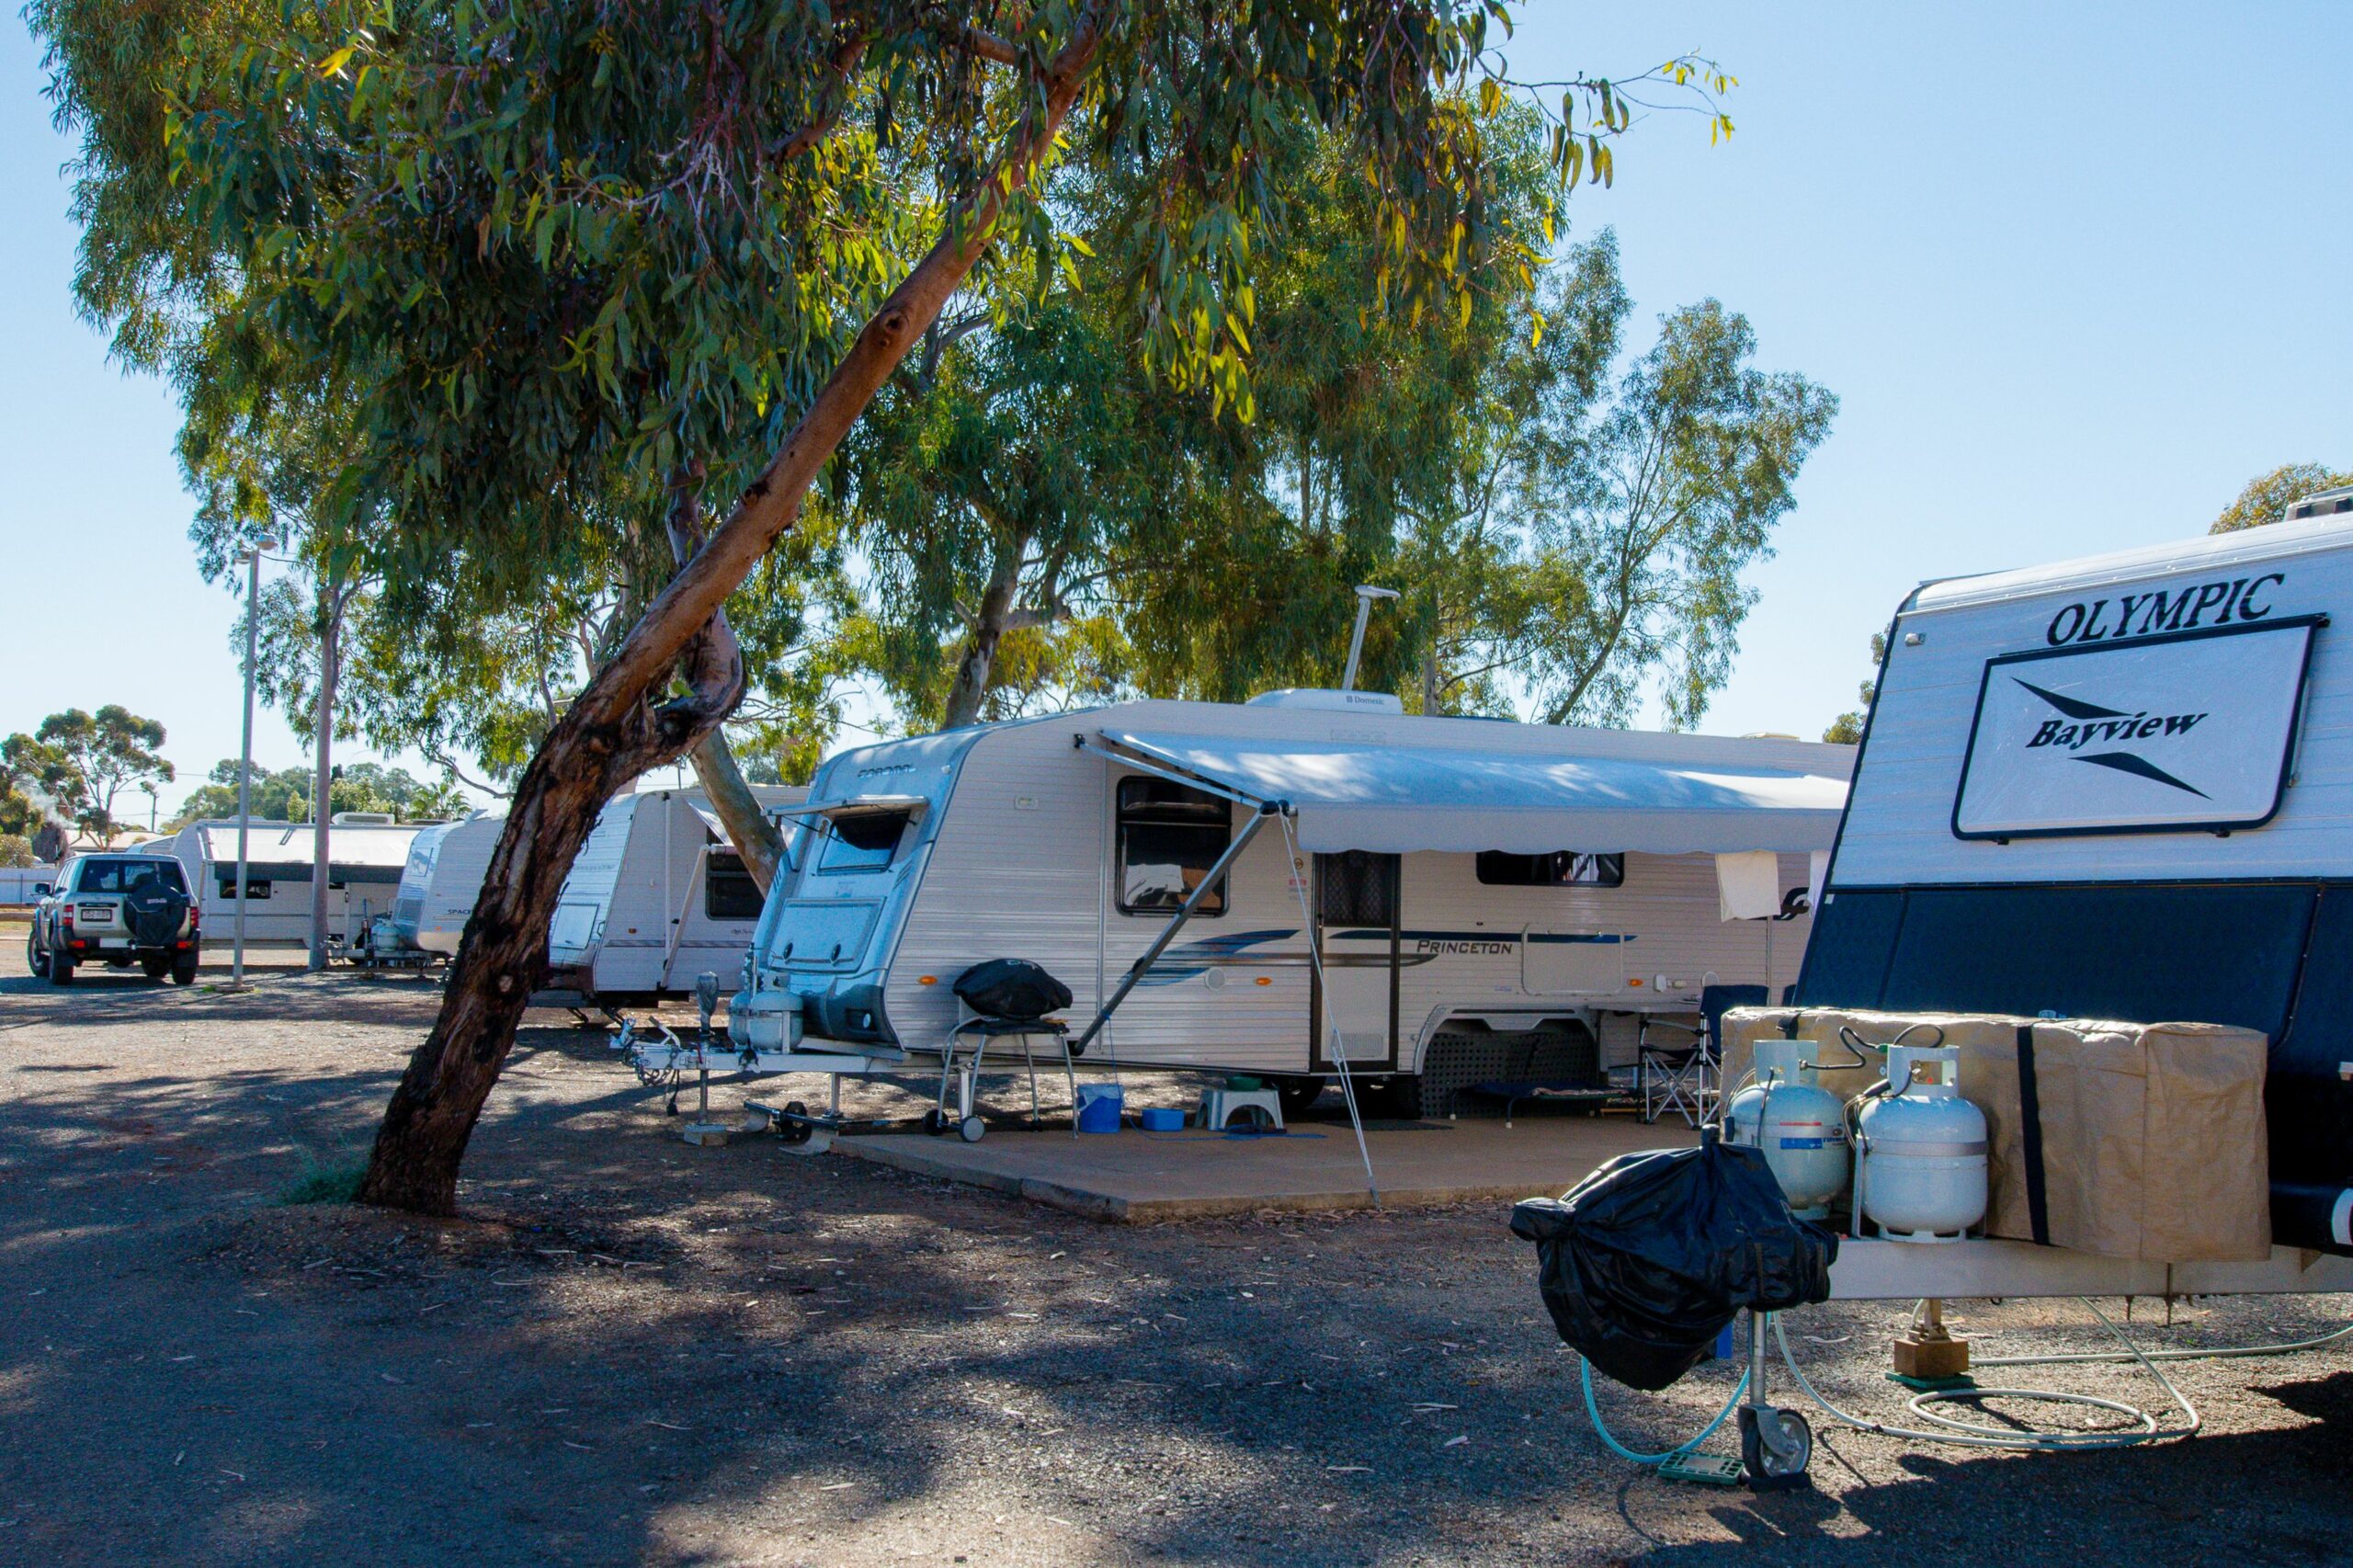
2123 787
656 897
1476 890
365 858
441 882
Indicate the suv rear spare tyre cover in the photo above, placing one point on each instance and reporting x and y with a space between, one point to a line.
153 913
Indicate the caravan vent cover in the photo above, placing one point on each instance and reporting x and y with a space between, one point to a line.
1011 988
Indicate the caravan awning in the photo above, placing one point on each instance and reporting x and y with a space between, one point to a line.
1393 799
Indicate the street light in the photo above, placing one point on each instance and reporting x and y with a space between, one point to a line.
245 760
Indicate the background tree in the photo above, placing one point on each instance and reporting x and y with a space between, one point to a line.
543 246
1846 730
1606 568
281 796
20 816
85 761
2266 497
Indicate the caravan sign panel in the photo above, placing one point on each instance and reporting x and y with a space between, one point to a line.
2170 733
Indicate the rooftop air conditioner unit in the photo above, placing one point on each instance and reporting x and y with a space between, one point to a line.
2321 504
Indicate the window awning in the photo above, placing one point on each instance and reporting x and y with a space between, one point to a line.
1395 799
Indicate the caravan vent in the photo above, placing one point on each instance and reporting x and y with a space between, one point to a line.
2324 503
361 818
1324 698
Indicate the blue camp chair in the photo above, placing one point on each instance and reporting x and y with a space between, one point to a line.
1682 1077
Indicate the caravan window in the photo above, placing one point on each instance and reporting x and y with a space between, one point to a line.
728 891
865 841
1169 837
1561 868
254 888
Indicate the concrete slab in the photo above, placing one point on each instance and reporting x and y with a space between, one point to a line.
1138 1178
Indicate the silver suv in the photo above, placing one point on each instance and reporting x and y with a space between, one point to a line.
116 910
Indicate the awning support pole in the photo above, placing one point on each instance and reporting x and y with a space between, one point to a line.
1331 1019
1137 970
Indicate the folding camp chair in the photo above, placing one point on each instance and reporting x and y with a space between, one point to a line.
1683 1079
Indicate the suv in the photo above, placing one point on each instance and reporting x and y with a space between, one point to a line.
118 910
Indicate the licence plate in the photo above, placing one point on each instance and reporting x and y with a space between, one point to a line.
114 941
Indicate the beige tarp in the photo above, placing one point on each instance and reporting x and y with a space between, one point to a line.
2150 1137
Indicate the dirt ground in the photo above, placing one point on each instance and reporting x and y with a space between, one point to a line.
633 1351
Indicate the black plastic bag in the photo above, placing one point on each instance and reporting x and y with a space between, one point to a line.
1647 1259
1011 988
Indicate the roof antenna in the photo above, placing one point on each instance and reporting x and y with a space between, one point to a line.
1366 593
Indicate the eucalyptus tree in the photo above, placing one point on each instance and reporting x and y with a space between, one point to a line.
2267 495
85 761
542 244
1590 554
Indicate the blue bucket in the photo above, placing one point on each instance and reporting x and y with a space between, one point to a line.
1098 1107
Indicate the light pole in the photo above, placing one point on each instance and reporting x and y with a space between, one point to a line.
246 758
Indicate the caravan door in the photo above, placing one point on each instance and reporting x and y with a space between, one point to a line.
1358 932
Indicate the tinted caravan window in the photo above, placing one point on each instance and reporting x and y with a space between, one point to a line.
728 891
866 841
1561 868
1169 837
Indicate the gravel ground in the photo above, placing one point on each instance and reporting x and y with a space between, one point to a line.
633 1351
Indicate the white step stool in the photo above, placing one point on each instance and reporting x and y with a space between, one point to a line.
1220 1106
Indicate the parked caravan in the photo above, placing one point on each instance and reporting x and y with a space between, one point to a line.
1474 890
363 873
441 882
2123 787
25 885
656 897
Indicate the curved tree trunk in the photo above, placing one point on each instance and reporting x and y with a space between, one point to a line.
749 829
613 731
971 686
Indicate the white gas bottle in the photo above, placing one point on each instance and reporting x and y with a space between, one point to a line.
1920 1151
1800 1126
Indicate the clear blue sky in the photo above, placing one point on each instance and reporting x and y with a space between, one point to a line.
2077 273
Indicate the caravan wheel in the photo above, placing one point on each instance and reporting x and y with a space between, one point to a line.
1296 1096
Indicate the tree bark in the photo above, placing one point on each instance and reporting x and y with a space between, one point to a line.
971 686
323 781
751 830
613 731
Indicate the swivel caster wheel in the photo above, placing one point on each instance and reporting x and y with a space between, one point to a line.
1776 1447
970 1129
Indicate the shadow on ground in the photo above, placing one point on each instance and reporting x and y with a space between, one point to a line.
635 1351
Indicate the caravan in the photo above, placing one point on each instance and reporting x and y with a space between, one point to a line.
1308 882
366 853
2123 787
441 882
655 897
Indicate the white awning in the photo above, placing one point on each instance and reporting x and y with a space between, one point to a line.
1393 799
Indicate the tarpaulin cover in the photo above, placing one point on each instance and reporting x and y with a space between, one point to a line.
2140 1141
1396 799
1647 1259
1011 988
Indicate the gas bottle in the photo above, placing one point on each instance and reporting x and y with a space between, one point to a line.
1800 1126
1920 1150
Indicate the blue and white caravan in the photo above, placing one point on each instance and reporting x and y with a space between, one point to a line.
2123 787
1283 887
